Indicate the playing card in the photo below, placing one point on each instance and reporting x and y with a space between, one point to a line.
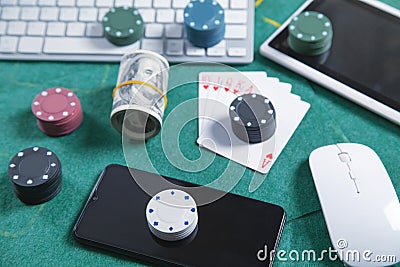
215 86
215 132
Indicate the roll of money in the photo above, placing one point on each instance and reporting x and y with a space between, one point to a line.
139 99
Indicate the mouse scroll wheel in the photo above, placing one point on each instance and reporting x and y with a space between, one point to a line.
344 157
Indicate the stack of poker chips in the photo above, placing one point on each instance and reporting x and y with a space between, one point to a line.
204 22
172 215
35 174
123 25
58 111
310 34
253 118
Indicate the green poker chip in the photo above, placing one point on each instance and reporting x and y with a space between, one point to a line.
309 52
123 25
310 33
310 46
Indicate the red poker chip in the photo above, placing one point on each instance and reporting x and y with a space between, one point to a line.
54 104
52 130
58 111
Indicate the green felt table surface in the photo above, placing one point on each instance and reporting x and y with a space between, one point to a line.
42 234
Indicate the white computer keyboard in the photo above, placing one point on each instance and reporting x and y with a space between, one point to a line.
70 30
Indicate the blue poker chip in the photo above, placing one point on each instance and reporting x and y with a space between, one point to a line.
204 22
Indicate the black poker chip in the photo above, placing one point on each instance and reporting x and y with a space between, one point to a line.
253 118
36 175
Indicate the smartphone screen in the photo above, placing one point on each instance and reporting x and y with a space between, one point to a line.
231 231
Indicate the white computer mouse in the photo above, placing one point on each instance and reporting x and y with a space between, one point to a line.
359 203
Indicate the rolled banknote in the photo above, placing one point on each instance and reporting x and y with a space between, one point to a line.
139 99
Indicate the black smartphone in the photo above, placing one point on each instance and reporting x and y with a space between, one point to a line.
231 231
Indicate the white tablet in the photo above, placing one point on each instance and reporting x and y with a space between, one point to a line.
363 63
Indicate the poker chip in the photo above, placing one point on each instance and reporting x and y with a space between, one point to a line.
123 25
172 215
58 111
204 22
310 33
253 118
35 174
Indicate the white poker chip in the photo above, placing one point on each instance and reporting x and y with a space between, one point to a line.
172 215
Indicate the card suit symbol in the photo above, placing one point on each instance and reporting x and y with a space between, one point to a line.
226 89
235 91
216 87
267 160
205 86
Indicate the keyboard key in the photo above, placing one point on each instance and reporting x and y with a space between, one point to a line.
27 2
235 32
30 13
237 52
68 14
94 30
148 15
3 26
179 3
179 16
173 31
30 45
76 29
36 28
47 2
225 3
85 3
88 14
155 45
162 3
8 44
104 3
8 2
102 12
66 2
239 4
124 2
165 15
16 28
174 48
56 29
154 30
236 16
10 13
142 3
194 51
217 50
49 13
77 45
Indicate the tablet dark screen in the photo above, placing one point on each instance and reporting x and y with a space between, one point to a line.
365 52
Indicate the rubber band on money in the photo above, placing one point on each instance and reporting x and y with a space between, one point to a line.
141 83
